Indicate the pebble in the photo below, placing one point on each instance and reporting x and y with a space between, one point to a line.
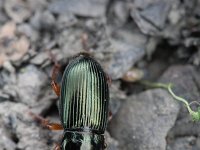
123 59
17 10
30 82
86 8
43 21
15 119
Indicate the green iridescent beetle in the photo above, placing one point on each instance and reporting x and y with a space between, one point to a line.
83 104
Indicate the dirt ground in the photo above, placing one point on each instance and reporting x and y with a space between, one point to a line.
133 40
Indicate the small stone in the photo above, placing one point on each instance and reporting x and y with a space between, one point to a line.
1 4
4 97
3 17
30 82
7 78
156 13
119 13
43 20
86 8
16 119
70 42
8 66
37 5
28 31
17 10
66 20
12 48
182 143
5 139
123 59
144 26
20 48
116 97
174 16
112 144
133 75
40 58
8 30
151 20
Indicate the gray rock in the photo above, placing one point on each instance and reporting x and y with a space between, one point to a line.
184 127
37 5
183 143
16 120
144 26
30 83
7 84
156 14
176 13
8 66
3 17
70 42
111 143
198 143
87 8
28 31
66 20
123 59
144 120
17 10
3 96
151 20
141 4
5 139
126 47
1 4
118 13
45 101
116 96
43 20
5 78
40 58
130 35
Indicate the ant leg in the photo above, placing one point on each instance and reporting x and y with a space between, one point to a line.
45 123
54 84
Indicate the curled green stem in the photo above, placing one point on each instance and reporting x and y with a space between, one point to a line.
194 114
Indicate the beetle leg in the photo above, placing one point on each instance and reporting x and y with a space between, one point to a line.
109 115
54 84
45 122
57 147
55 72
53 126
84 41
109 80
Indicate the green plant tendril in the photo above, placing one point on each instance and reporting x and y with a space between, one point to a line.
194 114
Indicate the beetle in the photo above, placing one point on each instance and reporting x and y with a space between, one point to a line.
83 104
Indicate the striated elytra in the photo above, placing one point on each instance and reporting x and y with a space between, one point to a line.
83 105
